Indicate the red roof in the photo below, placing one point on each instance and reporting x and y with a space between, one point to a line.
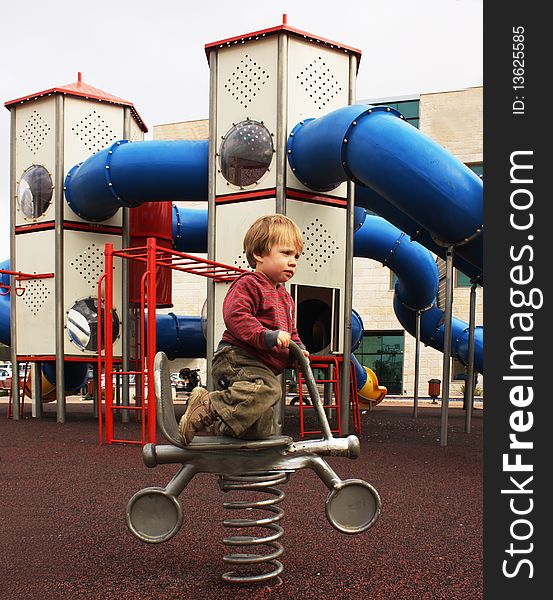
316 39
82 90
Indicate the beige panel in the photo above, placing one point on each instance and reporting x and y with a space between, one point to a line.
324 234
137 135
35 308
89 127
233 220
84 264
247 89
318 83
455 121
35 144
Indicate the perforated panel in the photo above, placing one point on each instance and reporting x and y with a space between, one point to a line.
35 132
36 294
94 132
246 81
89 264
321 245
35 143
90 126
35 307
324 229
247 89
318 83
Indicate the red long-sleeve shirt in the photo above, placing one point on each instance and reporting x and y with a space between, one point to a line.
254 312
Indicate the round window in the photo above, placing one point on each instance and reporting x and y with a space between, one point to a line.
34 192
82 324
246 153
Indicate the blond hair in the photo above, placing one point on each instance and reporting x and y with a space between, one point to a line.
267 231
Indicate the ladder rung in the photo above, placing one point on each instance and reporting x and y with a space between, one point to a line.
114 441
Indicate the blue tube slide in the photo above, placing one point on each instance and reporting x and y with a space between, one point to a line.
416 287
376 148
369 199
5 316
189 229
128 174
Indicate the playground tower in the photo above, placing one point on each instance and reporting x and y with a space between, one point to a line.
55 319
262 85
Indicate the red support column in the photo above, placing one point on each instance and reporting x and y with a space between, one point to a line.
151 350
108 342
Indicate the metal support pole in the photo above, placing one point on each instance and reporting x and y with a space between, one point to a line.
13 312
447 344
36 391
469 381
281 162
211 211
417 364
348 283
59 262
125 308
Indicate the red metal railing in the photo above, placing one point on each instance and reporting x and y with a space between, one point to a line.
19 290
330 364
154 256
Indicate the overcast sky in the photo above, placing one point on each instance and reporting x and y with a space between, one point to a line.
152 53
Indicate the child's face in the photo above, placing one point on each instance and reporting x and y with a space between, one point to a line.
280 264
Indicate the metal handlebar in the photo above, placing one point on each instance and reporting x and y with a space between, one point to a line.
305 366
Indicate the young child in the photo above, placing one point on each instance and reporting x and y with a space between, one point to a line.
259 319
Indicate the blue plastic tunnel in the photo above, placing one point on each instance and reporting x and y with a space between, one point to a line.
416 287
129 174
376 148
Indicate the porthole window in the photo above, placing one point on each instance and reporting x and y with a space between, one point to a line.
34 192
246 153
82 324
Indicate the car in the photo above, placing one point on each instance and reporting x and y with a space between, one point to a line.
5 374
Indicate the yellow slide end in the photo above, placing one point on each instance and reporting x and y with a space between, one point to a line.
48 389
371 393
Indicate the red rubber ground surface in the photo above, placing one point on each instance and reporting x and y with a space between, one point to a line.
63 532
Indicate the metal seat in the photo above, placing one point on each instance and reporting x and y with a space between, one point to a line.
154 514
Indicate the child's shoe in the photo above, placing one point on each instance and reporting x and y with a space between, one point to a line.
199 415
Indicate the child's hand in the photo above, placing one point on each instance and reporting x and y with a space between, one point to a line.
283 339
305 352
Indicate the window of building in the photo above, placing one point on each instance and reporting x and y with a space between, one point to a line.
457 370
408 108
461 280
383 353
478 169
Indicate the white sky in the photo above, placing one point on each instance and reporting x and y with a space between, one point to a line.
152 53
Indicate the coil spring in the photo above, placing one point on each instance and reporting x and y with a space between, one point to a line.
260 482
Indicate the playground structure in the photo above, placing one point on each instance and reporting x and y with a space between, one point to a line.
81 190
70 204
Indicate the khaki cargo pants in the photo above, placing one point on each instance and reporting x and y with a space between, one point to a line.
246 391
